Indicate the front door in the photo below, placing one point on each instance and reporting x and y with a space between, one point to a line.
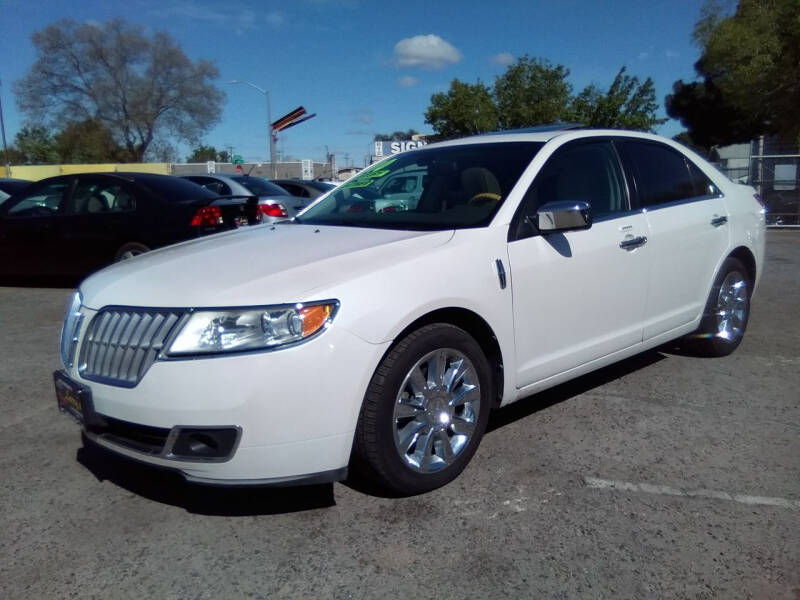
579 295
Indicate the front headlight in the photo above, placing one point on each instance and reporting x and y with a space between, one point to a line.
70 330
241 329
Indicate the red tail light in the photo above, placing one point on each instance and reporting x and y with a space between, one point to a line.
207 216
272 210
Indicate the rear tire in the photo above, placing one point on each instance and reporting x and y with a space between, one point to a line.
726 313
130 250
425 411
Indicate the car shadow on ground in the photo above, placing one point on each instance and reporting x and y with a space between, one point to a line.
543 400
167 487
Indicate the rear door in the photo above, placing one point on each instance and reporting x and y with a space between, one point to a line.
97 221
579 295
688 226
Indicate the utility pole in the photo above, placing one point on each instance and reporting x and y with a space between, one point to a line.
3 128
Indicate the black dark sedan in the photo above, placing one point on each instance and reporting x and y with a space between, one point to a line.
74 224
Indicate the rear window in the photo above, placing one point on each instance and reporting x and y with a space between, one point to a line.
260 187
176 188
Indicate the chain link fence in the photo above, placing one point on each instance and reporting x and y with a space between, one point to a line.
773 169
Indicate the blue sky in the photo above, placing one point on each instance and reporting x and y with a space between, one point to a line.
365 66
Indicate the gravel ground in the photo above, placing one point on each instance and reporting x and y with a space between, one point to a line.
665 476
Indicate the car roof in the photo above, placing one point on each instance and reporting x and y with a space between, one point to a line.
545 134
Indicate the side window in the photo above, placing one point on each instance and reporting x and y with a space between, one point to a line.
702 185
588 172
41 201
661 173
92 197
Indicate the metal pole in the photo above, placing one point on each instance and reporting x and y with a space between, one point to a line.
271 139
3 128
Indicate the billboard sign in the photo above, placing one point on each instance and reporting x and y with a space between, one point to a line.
388 148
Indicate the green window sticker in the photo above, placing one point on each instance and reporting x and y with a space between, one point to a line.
368 177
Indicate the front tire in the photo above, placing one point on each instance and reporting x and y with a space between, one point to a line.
425 410
727 312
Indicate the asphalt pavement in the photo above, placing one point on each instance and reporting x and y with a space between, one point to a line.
665 476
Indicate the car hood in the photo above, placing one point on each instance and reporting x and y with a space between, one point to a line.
254 266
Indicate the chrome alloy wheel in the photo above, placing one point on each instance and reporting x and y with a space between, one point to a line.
436 410
732 306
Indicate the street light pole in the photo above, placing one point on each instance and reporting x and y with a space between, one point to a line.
270 136
3 129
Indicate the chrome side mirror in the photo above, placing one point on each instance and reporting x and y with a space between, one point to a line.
562 216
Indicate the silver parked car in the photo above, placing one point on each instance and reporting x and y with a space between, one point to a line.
274 203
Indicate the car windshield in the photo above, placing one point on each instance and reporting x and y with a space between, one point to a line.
449 187
260 187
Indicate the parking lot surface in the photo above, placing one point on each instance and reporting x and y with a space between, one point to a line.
665 476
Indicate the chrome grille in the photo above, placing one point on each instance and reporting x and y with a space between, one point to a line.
120 344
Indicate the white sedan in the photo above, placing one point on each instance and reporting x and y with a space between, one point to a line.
379 340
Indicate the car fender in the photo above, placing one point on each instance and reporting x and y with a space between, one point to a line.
379 305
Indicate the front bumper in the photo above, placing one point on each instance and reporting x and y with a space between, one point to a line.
296 409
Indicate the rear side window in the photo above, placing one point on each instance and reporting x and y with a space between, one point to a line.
662 174
100 197
703 186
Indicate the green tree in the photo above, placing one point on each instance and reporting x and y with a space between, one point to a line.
532 92
88 141
465 109
203 154
749 74
140 87
397 136
628 104
33 145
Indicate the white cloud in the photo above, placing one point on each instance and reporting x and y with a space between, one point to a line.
275 19
425 51
234 16
407 81
503 59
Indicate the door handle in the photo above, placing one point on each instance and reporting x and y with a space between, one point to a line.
717 221
633 243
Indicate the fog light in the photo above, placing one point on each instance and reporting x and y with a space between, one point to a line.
203 443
